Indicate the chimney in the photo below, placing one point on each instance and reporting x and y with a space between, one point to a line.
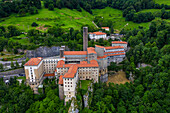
85 38
61 53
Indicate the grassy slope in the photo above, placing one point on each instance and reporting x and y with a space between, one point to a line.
70 18
117 18
152 10
163 2
85 84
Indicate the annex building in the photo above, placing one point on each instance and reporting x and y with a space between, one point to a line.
72 66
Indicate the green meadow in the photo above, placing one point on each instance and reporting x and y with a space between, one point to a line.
118 20
65 17
152 10
167 2
70 18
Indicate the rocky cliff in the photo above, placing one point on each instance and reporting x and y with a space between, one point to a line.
44 52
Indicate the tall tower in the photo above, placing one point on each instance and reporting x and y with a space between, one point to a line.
85 38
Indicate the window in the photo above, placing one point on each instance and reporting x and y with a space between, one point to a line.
65 82
69 92
65 85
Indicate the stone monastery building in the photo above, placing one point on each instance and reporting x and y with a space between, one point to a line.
72 66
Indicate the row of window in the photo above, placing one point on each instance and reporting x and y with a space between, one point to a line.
68 82
51 61
68 85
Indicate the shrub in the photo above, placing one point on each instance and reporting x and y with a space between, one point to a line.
34 24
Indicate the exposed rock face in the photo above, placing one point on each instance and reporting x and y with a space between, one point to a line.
43 52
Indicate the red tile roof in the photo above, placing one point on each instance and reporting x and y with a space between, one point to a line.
116 54
98 33
83 62
60 79
75 52
119 42
115 47
99 46
71 72
33 62
101 57
91 50
49 75
105 27
73 67
110 47
93 63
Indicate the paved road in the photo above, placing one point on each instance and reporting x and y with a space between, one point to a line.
9 76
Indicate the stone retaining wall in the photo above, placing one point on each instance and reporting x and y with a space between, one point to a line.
16 71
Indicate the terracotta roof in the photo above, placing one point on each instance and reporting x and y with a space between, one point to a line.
101 57
93 63
99 46
91 50
71 72
105 27
60 79
73 67
110 47
116 54
33 62
119 42
115 47
49 75
75 52
98 33
61 62
83 62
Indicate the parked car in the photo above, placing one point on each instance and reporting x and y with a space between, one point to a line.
21 74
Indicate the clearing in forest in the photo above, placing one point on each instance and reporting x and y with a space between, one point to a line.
167 2
118 78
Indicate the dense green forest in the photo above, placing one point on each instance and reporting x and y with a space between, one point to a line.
129 7
54 36
19 98
150 92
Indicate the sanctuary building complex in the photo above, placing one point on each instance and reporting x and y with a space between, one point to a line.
72 66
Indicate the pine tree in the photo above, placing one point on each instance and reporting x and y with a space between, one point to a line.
12 65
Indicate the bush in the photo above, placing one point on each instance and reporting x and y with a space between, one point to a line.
51 7
34 24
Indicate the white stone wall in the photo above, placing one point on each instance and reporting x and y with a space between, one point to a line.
31 69
124 45
96 37
69 85
50 64
113 50
88 73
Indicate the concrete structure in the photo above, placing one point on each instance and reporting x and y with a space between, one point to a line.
73 66
97 35
37 68
34 71
106 28
85 38
120 43
74 72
